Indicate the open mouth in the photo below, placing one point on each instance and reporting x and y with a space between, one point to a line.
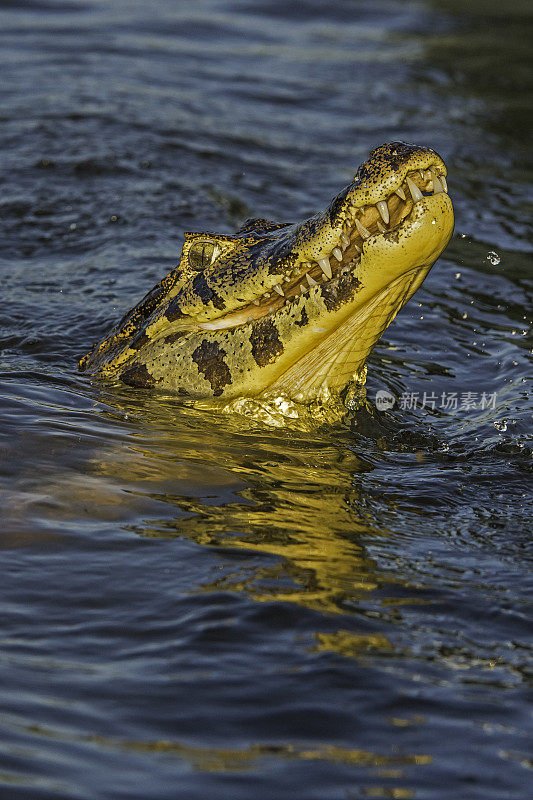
384 218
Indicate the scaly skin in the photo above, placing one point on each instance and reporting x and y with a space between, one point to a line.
289 309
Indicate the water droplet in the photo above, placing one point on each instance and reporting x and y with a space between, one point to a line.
457 274
500 425
493 257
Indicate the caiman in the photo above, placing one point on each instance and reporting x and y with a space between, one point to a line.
289 310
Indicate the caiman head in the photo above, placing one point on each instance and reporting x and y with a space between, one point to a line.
289 309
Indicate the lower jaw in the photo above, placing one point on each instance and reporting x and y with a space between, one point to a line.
339 359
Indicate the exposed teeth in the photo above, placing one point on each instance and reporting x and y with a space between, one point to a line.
383 209
416 194
324 265
437 185
362 230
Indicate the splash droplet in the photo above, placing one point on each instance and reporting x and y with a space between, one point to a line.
493 257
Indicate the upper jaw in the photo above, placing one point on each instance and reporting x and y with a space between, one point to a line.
343 232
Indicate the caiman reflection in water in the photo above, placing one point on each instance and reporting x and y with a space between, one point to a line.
293 499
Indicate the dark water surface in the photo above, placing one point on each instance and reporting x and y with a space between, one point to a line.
193 606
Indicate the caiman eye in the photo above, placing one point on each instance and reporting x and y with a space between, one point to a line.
201 254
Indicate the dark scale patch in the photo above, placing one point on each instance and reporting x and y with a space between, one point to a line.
138 376
280 254
139 341
209 357
173 311
260 226
173 337
392 236
335 297
150 301
387 158
304 319
282 261
205 292
337 204
265 342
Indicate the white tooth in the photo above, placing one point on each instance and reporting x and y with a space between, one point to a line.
400 192
345 239
311 281
362 230
303 288
325 266
444 182
287 279
266 294
250 319
437 185
277 288
416 194
337 252
421 173
383 209
256 302
381 227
